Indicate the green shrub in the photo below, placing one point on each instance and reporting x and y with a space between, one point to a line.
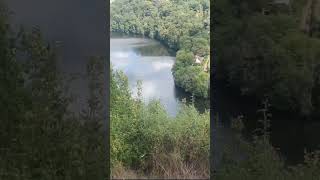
141 133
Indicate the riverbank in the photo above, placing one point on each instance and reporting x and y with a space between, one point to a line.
157 23
146 60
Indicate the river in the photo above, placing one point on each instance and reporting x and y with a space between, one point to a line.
150 62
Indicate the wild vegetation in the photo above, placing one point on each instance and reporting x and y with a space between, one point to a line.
147 142
40 138
268 48
181 25
262 161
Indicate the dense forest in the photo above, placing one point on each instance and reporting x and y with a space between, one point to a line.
181 25
270 49
40 138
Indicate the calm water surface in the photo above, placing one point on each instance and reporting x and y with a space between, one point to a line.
150 62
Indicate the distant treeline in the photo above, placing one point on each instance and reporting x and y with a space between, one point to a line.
181 25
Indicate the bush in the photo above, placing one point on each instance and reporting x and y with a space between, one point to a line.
193 79
142 133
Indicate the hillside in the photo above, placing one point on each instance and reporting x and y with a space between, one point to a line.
181 25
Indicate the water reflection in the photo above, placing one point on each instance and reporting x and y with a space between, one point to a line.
149 61
152 50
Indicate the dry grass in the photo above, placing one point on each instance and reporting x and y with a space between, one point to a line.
166 166
121 172
172 166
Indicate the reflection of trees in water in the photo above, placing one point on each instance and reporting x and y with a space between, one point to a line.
152 50
200 104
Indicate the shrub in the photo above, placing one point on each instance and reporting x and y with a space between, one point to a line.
143 135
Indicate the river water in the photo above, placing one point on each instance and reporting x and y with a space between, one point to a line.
146 60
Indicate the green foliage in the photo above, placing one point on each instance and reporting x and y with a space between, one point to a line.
141 132
184 59
40 138
193 79
181 25
267 55
190 76
263 162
